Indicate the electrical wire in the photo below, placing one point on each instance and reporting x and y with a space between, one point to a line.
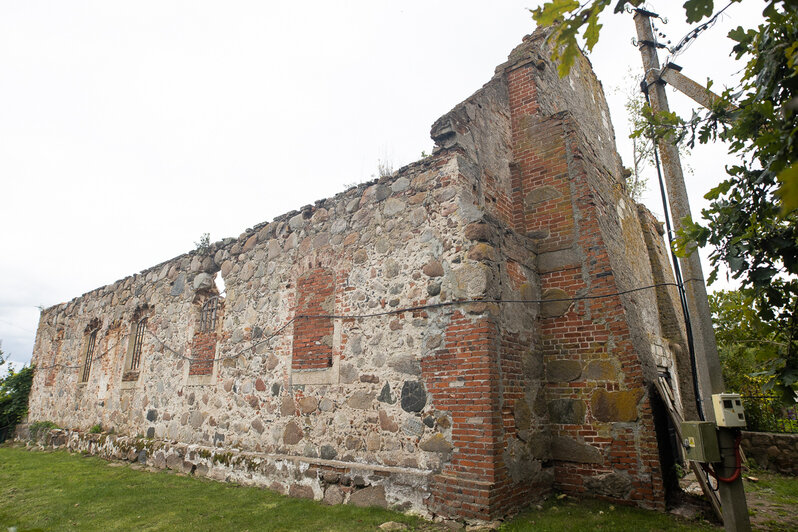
391 312
68 366
738 463
693 34
677 272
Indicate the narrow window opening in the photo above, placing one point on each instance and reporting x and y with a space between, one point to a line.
49 379
207 332
92 341
208 315
135 360
135 345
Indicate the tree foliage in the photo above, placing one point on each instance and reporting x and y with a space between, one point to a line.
14 391
643 136
751 220
746 343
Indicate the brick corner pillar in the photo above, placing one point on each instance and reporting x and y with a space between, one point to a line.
462 378
603 439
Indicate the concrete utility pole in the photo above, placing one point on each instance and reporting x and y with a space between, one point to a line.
709 371
732 494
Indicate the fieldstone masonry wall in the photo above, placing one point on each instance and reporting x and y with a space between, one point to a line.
462 336
775 451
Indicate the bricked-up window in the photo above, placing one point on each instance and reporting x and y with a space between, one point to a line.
89 356
138 342
206 337
313 336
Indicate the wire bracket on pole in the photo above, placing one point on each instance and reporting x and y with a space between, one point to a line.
646 12
651 43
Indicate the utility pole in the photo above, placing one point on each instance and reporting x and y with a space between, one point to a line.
709 371
732 494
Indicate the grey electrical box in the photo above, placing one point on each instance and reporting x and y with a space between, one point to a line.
700 441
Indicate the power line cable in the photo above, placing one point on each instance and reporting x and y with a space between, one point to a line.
678 272
693 34
416 308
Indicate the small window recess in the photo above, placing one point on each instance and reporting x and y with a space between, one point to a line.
138 342
330 375
135 350
209 314
91 343
202 369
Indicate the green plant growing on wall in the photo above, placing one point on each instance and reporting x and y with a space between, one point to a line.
203 247
643 162
38 428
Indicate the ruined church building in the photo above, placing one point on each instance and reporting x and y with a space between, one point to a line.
457 339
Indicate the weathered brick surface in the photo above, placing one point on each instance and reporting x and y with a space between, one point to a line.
419 329
203 351
561 209
313 336
204 343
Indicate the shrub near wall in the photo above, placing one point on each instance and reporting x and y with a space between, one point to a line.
14 391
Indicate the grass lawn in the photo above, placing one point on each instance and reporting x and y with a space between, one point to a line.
572 514
772 501
61 491
46 490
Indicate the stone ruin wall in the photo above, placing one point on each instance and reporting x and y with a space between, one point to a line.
466 409
401 390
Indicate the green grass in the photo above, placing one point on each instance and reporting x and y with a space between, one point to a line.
61 491
574 515
772 501
780 489
46 490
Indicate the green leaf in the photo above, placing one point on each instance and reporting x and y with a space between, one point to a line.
738 34
553 11
592 30
716 192
788 189
697 9
567 58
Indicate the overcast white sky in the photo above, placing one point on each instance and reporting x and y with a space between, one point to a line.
128 129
